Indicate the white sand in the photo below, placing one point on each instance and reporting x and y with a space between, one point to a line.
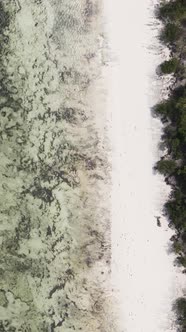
142 270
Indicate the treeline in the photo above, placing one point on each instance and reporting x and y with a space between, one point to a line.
172 113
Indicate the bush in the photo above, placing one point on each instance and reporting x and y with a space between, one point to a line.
174 145
183 22
170 33
166 167
172 112
170 66
175 209
172 10
180 310
162 109
177 247
182 127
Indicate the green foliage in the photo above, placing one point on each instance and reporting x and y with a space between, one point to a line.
175 208
163 109
166 167
172 10
173 113
174 145
181 105
177 247
172 108
170 66
181 260
183 22
182 126
180 310
181 306
170 33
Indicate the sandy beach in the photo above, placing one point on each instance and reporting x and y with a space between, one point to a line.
143 271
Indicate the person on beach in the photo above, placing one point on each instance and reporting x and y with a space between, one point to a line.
158 221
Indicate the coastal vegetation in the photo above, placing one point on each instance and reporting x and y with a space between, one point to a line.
180 308
170 66
170 33
172 113
171 10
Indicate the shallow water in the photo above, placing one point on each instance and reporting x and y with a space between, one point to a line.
55 169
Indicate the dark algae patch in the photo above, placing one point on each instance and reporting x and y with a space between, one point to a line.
172 113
